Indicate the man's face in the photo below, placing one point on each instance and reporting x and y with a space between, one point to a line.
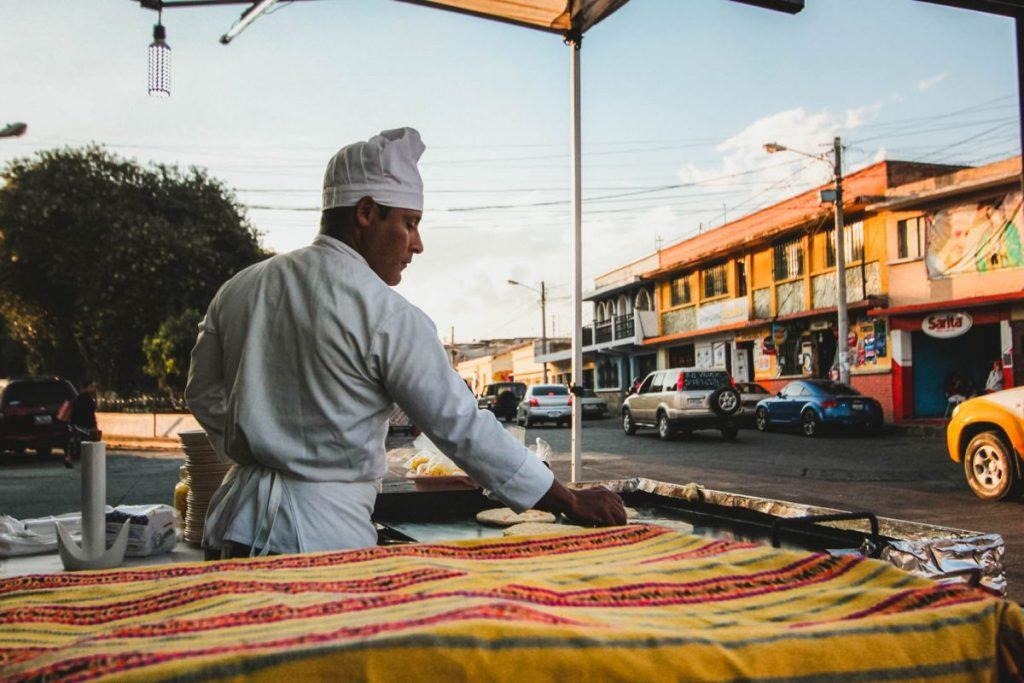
389 242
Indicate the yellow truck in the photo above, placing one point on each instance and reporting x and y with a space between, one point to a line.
986 434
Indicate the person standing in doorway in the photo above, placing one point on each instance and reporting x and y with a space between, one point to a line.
995 378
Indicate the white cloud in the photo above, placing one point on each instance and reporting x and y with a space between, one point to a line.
748 178
929 83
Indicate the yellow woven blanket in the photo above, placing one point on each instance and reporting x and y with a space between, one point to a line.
628 603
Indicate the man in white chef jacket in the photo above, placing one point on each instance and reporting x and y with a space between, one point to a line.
301 358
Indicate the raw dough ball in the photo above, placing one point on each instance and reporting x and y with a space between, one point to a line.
534 529
508 517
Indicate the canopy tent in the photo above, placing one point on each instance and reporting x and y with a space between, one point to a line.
572 19
556 16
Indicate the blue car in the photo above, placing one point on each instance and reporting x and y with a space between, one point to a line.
814 404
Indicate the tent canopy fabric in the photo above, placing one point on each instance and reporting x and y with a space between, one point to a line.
556 16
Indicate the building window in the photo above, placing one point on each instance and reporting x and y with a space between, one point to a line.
681 291
789 259
909 237
607 374
853 244
741 277
715 282
682 356
643 301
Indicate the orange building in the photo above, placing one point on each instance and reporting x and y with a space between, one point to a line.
956 286
757 296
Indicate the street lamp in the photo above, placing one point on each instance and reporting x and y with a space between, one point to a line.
543 318
13 130
835 159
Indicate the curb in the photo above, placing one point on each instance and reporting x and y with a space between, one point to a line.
922 430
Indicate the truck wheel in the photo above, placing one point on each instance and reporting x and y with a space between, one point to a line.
989 467
628 425
810 424
664 428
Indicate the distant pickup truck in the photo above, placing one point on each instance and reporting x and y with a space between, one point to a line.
502 399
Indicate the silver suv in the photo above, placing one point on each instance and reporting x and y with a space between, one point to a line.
681 400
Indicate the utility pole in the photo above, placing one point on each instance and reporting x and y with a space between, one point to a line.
544 326
543 319
843 332
841 308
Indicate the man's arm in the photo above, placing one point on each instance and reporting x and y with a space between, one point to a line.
410 361
205 392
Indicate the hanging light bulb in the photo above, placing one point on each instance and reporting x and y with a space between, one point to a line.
159 62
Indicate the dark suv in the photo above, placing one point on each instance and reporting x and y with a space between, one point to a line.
28 414
502 399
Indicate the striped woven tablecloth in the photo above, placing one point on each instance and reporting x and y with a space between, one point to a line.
630 603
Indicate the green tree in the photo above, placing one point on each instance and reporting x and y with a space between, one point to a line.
96 252
167 351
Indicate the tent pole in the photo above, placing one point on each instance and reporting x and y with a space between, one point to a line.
577 264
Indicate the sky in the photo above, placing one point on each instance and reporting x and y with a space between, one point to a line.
679 93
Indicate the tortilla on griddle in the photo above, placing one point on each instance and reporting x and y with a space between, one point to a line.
508 517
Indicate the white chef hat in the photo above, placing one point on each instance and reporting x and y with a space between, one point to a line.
383 167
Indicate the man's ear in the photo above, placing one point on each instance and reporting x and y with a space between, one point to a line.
364 212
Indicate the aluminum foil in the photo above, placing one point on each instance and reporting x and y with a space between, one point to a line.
975 560
936 552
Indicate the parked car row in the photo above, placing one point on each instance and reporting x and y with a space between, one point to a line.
538 403
985 434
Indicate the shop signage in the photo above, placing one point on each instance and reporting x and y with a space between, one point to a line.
946 325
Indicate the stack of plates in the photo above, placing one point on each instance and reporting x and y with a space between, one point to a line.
205 473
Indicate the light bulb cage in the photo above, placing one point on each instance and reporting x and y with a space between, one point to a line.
159 63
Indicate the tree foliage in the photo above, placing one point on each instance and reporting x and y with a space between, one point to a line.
167 351
96 252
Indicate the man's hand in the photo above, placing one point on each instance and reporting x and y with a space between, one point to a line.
594 507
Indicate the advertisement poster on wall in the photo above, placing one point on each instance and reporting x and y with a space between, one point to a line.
763 355
705 356
976 239
718 354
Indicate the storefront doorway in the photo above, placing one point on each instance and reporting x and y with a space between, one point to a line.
937 361
743 362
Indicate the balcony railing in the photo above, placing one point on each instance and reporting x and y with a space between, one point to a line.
603 332
625 326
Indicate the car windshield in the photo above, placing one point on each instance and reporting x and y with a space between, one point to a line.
550 390
36 393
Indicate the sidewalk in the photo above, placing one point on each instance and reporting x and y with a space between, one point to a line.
924 427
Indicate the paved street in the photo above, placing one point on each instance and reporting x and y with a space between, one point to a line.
896 475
